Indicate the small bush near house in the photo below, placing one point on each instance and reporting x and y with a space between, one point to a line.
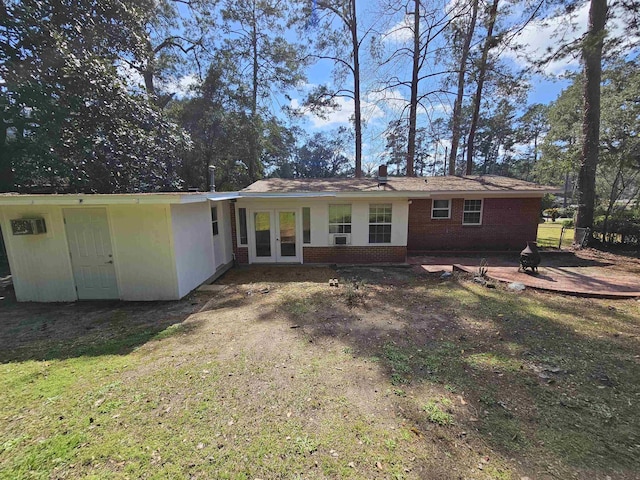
354 293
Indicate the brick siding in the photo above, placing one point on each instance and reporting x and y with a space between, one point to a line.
352 254
507 224
242 255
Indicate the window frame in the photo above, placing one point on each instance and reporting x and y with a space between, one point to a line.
376 213
306 222
343 224
214 220
433 208
465 211
242 227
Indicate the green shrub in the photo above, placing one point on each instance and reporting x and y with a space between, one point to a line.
567 223
621 227
568 212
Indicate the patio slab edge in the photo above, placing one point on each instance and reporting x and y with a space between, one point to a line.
580 293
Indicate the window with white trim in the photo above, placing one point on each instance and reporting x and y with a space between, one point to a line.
380 223
472 212
441 209
306 225
214 220
242 220
339 218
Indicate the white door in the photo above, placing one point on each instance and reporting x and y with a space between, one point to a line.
275 236
91 253
286 236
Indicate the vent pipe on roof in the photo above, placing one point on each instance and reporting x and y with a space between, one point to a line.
382 175
212 178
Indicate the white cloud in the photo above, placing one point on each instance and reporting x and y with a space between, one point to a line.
182 86
342 115
402 31
391 99
539 38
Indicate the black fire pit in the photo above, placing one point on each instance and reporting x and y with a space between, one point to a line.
530 257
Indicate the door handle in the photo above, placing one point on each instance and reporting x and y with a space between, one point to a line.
110 261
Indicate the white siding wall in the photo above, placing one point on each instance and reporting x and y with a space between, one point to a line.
142 252
320 217
193 244
160 252
225 230
40 264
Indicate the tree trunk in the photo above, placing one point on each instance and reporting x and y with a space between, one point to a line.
253 141
457 107
482 70
592 58
6 173
356 88
413 106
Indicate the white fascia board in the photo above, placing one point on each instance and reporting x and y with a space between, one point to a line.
383 194
485 194
97 199
218 197
287 195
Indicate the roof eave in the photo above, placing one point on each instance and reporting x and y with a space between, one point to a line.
100 199
401 194
285 194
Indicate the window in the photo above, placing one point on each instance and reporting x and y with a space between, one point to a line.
441 209
339 218
306 225
214 220
472 213
242 220
380 223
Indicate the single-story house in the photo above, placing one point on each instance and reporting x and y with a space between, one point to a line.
366 220
161 246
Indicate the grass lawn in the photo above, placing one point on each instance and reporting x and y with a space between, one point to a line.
549 235
398 375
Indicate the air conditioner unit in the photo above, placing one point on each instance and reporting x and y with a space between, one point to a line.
340 239
28 226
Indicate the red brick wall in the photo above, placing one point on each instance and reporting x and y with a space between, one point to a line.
351 254
507 224
242 255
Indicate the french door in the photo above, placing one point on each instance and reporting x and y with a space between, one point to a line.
275 236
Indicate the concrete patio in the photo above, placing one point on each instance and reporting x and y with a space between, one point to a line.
562 272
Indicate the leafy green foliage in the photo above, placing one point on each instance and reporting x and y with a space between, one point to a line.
223 132
618 173
623 227
322 156
72 122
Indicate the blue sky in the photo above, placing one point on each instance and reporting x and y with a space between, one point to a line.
380 107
